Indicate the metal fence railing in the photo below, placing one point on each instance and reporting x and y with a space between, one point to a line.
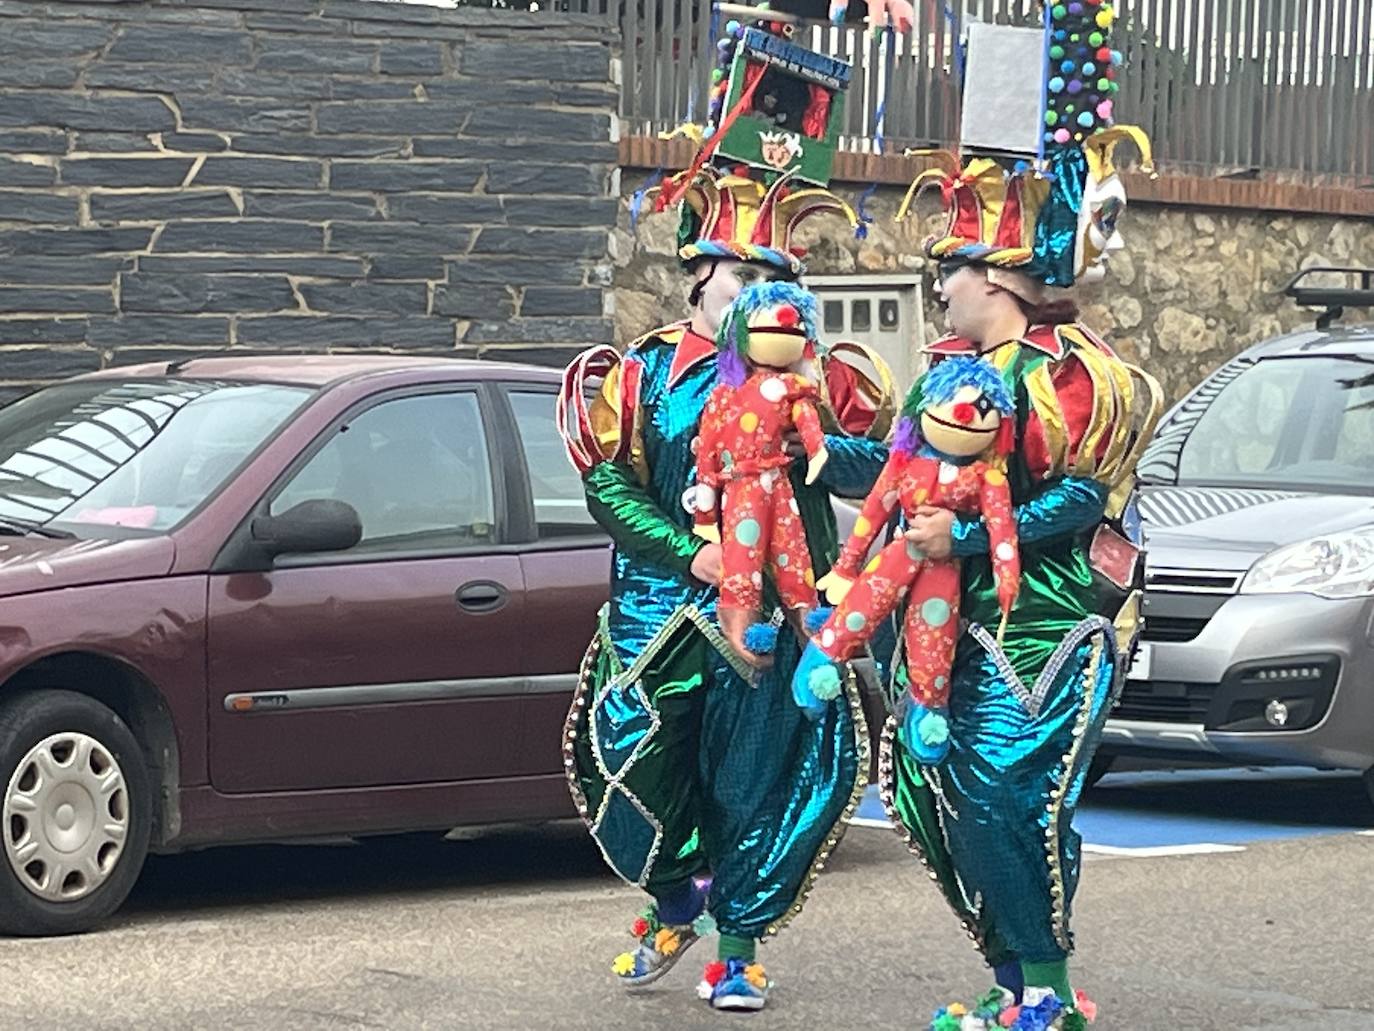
1224 87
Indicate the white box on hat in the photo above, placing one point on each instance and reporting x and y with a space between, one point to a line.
1004 83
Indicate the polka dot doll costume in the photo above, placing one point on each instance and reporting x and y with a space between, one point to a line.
742 459
963 406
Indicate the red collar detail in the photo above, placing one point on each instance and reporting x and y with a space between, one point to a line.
692 350
1043 338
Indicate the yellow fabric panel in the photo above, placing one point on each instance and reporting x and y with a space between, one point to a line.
1046 404
1124 422
605 414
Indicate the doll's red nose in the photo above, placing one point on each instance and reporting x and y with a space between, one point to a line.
788 316
964 413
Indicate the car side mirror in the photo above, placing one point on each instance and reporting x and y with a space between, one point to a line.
312 526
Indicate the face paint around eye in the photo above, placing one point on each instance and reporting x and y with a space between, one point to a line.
1104 220
1104 201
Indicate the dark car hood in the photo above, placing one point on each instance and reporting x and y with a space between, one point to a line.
1229 528
29 564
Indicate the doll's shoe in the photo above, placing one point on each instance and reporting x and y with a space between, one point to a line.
925 733
660 946
734 984
816 682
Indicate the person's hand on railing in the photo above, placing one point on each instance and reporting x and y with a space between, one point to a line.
881 13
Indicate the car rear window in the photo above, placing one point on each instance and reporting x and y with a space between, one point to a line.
84 457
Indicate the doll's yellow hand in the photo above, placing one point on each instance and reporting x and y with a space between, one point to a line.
834 586
816 464
707 532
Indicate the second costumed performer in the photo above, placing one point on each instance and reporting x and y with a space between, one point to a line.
987 804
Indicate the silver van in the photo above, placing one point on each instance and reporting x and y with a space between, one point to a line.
1258 507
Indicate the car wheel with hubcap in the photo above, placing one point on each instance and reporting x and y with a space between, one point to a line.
77 812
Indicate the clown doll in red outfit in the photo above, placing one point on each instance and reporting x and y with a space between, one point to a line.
744 501
955 429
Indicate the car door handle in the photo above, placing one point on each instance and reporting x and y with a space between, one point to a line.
481 596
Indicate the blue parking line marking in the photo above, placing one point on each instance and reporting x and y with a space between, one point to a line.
871 808
1192 808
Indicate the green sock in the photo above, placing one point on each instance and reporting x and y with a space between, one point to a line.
1049 975
735 948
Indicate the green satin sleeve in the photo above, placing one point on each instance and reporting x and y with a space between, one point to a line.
853 466
1070 506
639 527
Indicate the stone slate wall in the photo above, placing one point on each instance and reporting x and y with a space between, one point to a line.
188 175
1191 289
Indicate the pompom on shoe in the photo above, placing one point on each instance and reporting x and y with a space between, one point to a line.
1040 1010
734 984
983 1015
660 947
998 1010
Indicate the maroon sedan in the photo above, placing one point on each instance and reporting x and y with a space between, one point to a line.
253 598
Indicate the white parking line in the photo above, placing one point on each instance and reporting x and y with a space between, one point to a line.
1154 851
868 821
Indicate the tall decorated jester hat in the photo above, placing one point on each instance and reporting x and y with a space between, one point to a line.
770 324
1037 189
765 157
961 408
725 215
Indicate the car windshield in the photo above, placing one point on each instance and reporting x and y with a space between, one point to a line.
1303 423
80 458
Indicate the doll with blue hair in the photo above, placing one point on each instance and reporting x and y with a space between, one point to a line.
744 501
954 431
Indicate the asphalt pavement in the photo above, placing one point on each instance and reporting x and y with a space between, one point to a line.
1236 900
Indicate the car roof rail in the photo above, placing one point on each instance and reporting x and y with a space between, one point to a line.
1334 299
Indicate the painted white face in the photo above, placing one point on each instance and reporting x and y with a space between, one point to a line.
1104 201
725 283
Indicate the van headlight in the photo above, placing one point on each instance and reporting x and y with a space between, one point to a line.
1335 565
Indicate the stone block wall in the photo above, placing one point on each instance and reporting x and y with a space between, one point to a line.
181 176
1192 288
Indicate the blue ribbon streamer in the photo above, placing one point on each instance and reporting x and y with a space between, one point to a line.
637 200
865 219
879 117
953 20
